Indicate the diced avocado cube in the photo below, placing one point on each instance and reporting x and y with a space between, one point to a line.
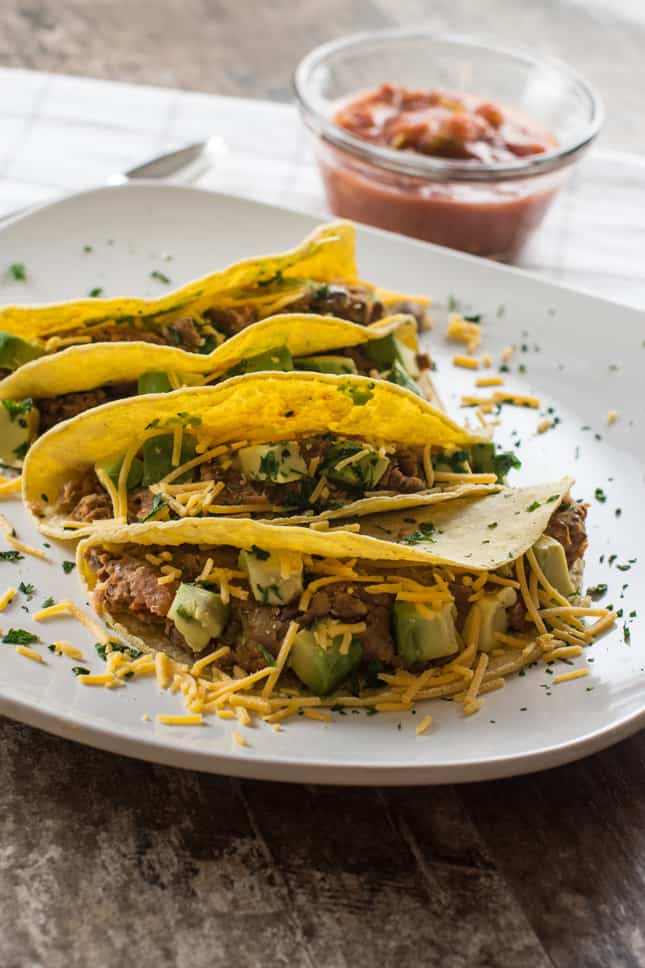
553 562
326 364
278 463
278 358
424 633
400 376
157 458
390 349
135 474
457 462
322 669
18 427
15 352
364 473
153 382
482 458
486 459
275 577
199 614
493 610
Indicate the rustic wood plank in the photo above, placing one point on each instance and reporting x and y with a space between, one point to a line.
104 858
571 844
369 888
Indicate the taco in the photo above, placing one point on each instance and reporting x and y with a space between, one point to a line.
456 595
51 389
318 277
283 446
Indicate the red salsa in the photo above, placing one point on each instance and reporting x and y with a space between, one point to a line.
441 124
491 217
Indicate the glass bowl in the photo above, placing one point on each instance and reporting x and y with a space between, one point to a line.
486 209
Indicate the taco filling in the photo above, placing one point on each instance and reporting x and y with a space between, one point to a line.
358 622
318 277
306 476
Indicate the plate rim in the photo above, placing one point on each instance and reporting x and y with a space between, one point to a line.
287 769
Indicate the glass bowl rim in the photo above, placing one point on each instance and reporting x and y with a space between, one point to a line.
426 166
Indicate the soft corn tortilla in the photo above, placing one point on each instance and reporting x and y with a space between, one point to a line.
88 366
327 255
256 408
463 538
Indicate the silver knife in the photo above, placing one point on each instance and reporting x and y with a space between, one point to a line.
192 161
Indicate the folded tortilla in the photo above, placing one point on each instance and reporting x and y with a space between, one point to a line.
253 409
266 283
429 558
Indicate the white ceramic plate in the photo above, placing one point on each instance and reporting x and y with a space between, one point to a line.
583 356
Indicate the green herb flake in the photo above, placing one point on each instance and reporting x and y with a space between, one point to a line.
597 591
627 635
18 271
554 497
68 566
359 395
11 556
492 525
48 602
28 590
158 504
18 408
20 637
80 671
96 292
88 248
266 655
600 495
160 276
423 533
534 506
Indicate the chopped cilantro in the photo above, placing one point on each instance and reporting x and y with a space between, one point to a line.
474 318
11 556
48 602
492 525
554 497
600 495
88 248
359 395
266 655
20 637
18 271
534 506
423 533
26 589
269 466
128 650
627 635
21 450
80 671
69 566
159 276
17 408
505 461
597 591
623 567
158 504
96 292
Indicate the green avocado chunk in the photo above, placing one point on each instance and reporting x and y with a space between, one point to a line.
18 427
271 582
486 459
389 350
113 469
153 382
321 670
279 463
419 638
493 611
326 364
400 376
364 473
15 352
553 562
278 358
199 614
157 458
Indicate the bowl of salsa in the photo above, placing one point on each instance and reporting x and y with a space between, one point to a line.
444 138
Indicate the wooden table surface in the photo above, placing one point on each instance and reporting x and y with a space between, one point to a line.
106 861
